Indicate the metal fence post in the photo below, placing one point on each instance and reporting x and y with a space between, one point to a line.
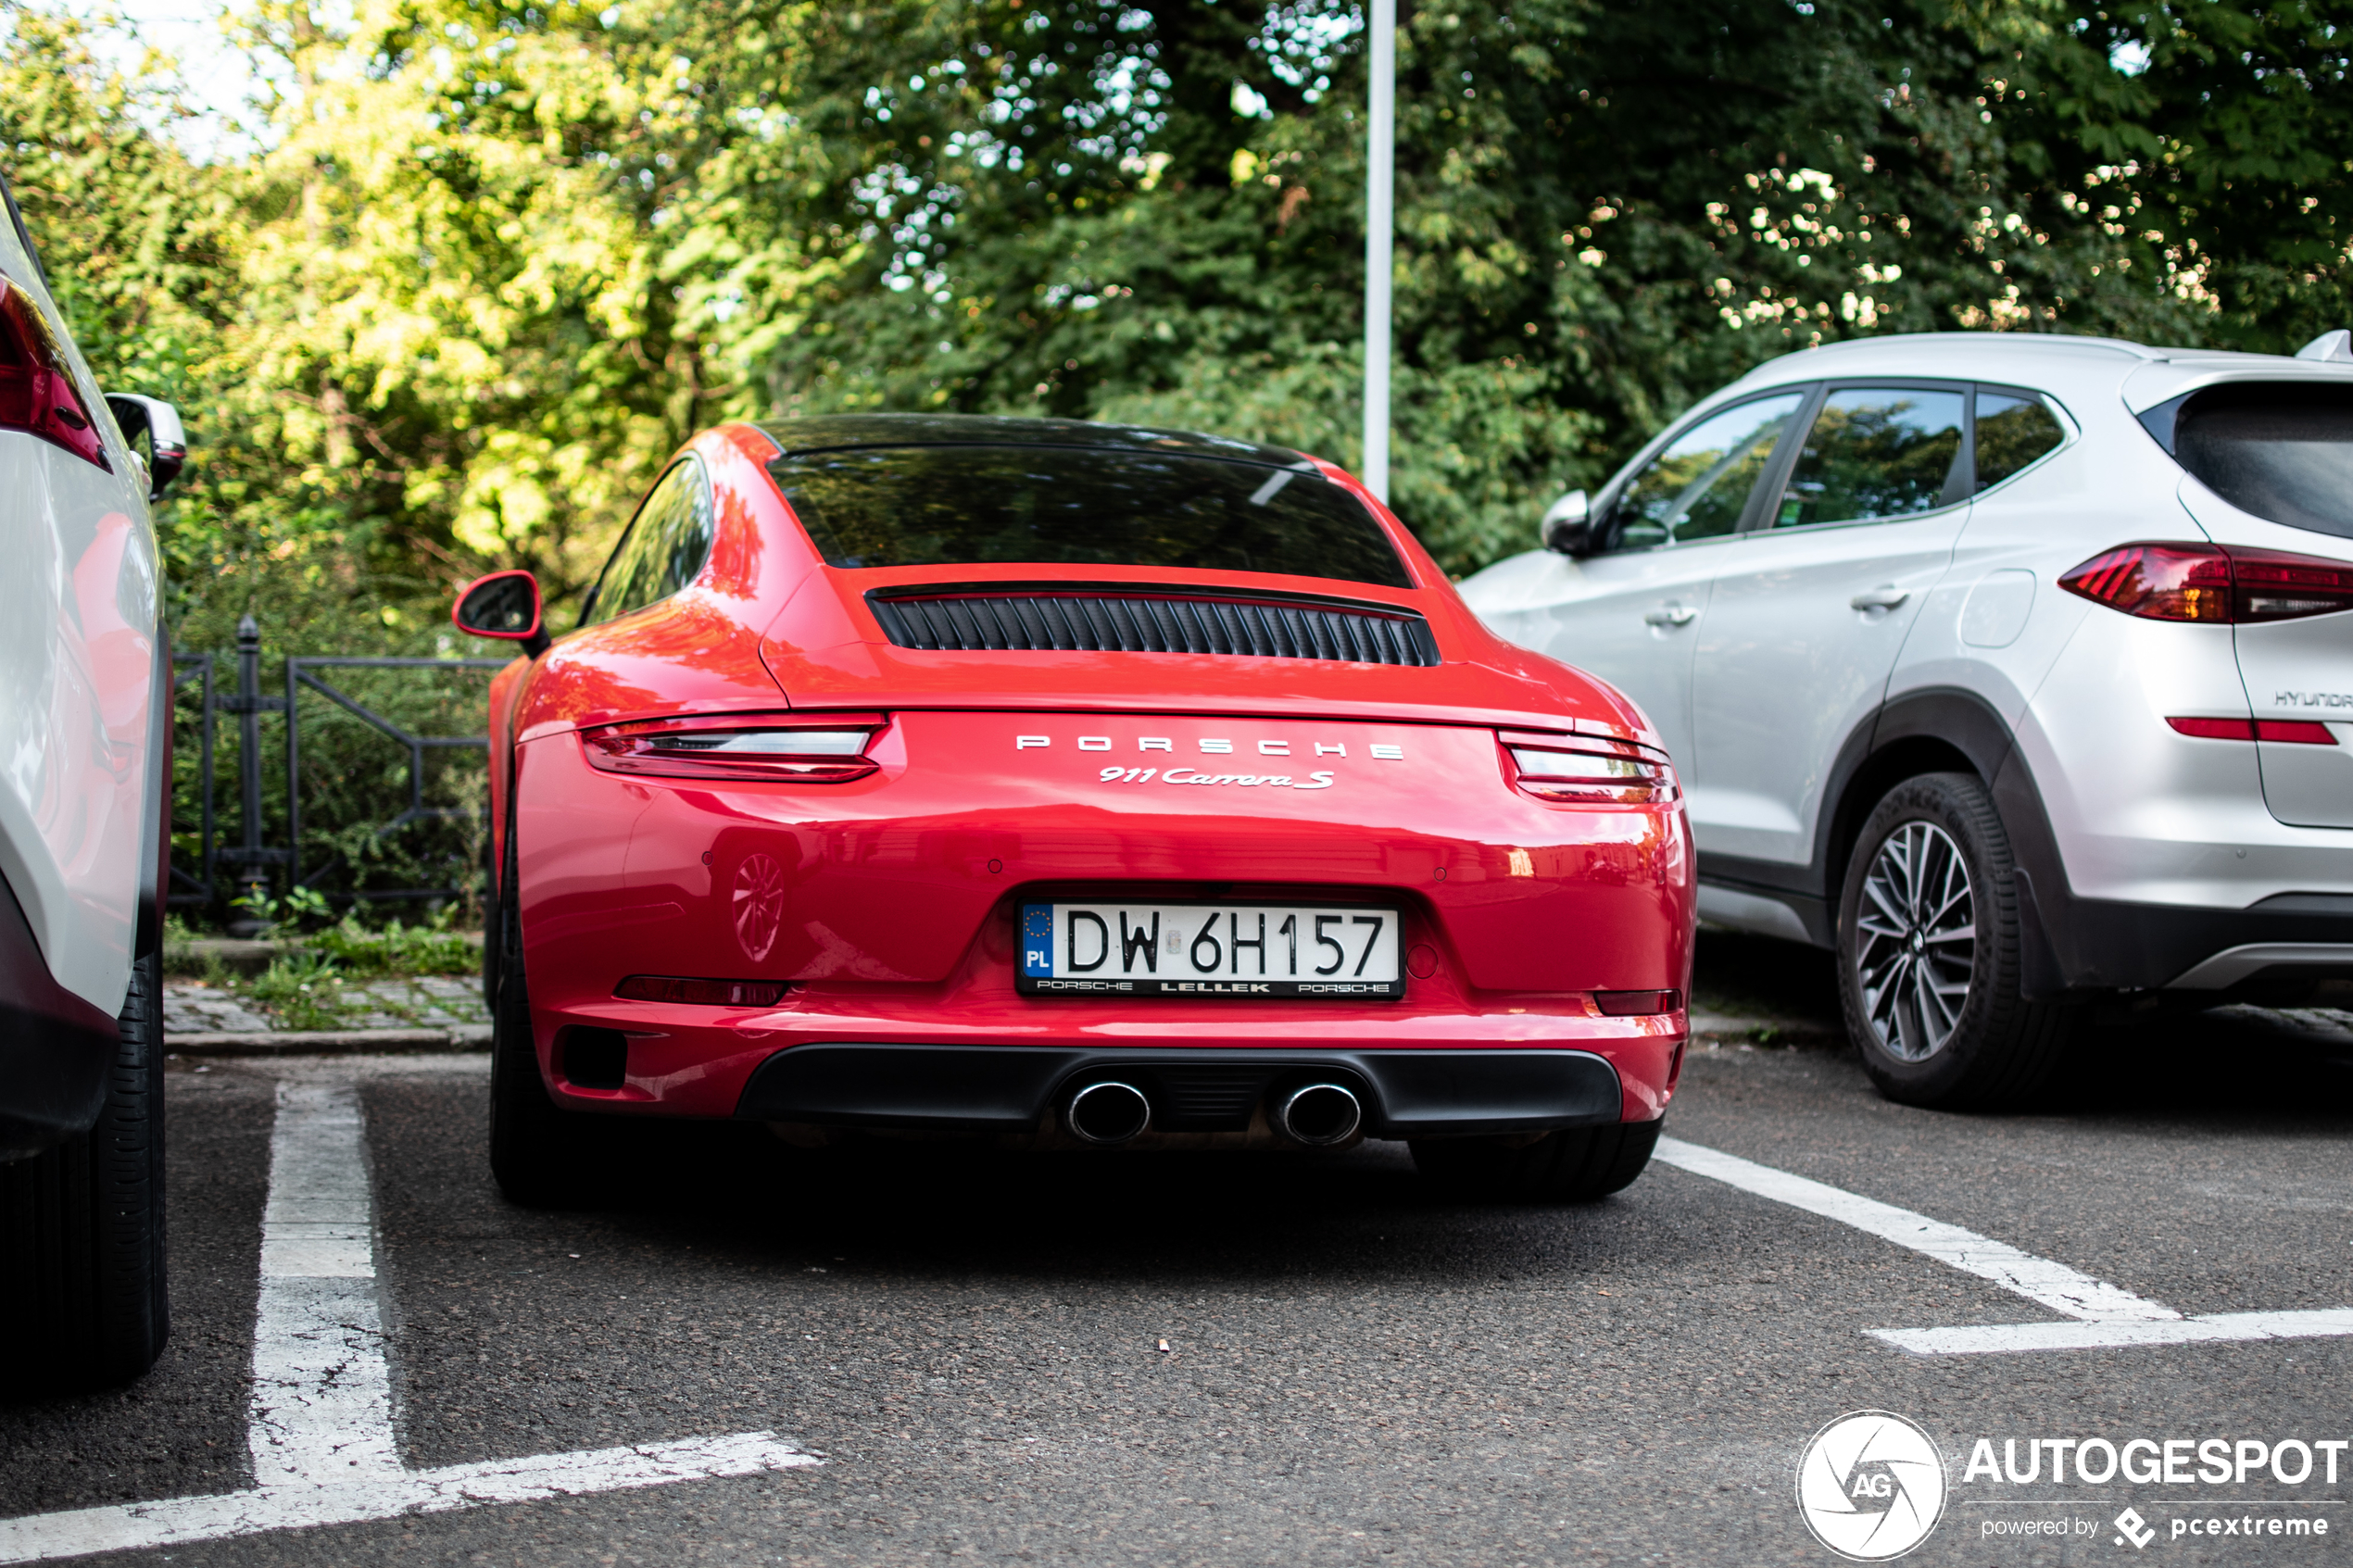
250 858
199 668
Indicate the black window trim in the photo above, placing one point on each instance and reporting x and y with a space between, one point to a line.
1759 519
1302 464
596 589
1808 397
2070 431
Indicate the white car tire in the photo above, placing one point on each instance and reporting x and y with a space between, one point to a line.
1929 954
84 1299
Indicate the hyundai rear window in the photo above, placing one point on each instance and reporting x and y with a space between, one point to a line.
2284 453
968 506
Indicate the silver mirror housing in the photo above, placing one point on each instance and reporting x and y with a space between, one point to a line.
1564 524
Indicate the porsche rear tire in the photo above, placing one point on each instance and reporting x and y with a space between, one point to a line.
1574 1165
542 1156
84 1303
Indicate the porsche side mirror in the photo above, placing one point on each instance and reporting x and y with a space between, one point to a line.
504 605
1567 524
152 426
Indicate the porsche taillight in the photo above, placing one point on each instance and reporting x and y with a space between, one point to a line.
2226 585
37 394
827 750
1589 771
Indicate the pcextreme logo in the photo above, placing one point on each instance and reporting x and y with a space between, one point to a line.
1870 1485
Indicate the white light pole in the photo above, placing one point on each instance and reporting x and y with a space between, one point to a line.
1380 182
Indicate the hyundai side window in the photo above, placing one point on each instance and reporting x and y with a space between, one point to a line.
1699 487
1874 453
2280 451
662 551
2015 429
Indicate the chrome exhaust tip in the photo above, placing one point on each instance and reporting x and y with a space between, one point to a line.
1319 1115
1108 1113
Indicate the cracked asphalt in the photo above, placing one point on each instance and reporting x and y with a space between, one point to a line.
1355 1371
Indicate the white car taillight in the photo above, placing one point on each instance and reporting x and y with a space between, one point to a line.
37 394
2210 583
818 751
1587 771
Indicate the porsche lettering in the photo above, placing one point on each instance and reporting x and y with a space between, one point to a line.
1213 745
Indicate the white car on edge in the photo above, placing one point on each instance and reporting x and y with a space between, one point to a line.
85 770
2016 669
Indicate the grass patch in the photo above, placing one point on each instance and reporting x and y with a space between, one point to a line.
304 992
396 949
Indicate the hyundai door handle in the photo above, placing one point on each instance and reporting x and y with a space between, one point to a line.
1880 598
1673 615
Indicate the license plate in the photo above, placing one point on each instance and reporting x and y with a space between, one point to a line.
1233 951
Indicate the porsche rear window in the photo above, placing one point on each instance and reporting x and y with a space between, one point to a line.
2282 452
962 506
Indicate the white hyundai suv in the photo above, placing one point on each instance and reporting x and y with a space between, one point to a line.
86 717
2014 668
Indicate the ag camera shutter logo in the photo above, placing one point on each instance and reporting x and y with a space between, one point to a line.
1871 1486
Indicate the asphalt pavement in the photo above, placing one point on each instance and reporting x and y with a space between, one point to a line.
1293 1358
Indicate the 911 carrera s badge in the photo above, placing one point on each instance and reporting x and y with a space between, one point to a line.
1320 779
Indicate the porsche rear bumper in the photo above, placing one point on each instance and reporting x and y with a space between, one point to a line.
1015 1088
892 914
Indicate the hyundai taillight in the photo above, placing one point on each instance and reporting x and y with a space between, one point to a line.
2284 731
702 993
37 394
2232 584
738 748
1589 771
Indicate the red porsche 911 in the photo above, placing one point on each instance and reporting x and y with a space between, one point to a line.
1066 784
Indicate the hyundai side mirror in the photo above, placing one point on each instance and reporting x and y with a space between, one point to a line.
1568 525
504 605
152 427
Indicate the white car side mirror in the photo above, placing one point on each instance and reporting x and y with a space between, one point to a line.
1565 524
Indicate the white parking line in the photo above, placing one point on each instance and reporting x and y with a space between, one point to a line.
321 1436
2038 1279
2106 1317
2011 1337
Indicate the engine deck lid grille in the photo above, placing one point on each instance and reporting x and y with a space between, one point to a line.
1151 618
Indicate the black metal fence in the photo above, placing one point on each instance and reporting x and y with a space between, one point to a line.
270 854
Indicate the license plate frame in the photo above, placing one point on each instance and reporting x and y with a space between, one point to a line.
1267 964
